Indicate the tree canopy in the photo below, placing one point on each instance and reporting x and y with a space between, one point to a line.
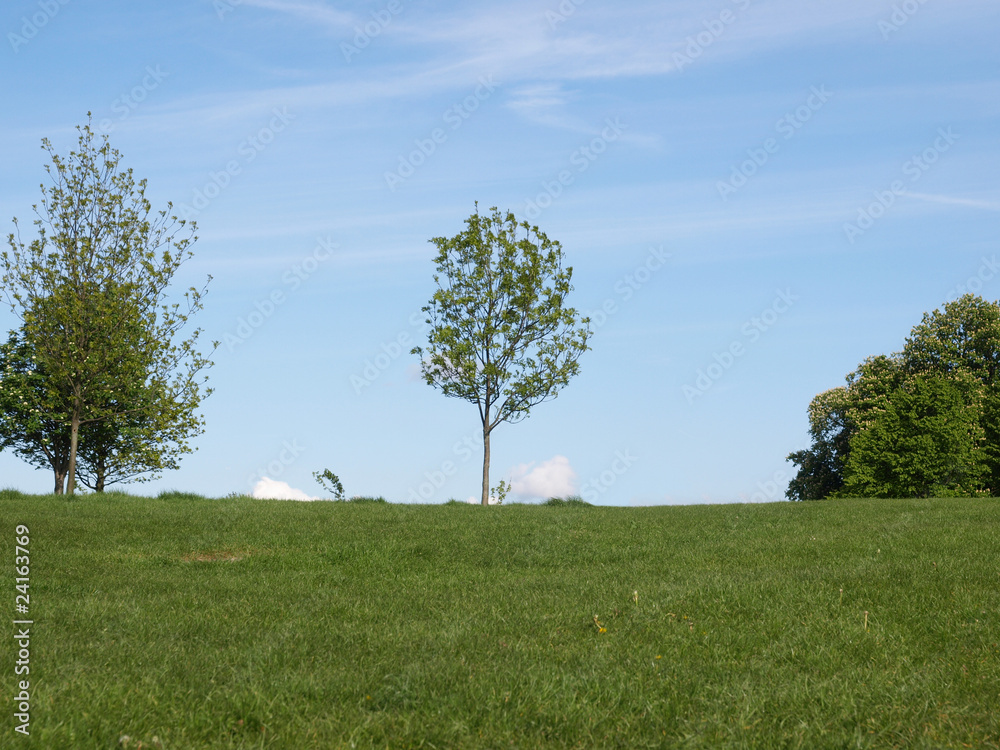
918 423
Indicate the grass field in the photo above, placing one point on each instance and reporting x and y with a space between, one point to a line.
180 622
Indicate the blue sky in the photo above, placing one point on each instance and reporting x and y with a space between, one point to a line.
754 194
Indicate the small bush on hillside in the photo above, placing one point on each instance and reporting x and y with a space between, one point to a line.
575 500
178 495
109 494
11 494
366 500
330 483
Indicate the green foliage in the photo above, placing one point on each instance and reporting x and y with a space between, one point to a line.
328 625
38 436
924 443
502 336
176 495
923 422
91 293
822 466
359 499
499 493
134 444
330 483
963 337
575 501
991 443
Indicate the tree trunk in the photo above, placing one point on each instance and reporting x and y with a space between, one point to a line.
57 453
101 471
74 439
60 480
486 466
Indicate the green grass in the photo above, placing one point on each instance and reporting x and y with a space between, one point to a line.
242 623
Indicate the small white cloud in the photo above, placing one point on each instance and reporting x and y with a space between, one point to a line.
272 489
472 500
552 478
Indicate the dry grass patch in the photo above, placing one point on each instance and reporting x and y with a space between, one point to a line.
217 556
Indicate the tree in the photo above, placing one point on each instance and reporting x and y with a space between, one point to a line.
501 334
925 443
38 438
146 437
821 471
925 420
91 293
135 445
835 417
965 336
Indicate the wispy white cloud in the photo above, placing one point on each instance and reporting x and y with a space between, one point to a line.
955 201
531 62
312 13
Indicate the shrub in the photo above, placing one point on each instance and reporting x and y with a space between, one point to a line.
575 500
178 495
330 483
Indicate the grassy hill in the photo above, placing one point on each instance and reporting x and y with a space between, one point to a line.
180 622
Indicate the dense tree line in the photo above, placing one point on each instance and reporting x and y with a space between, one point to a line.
923 422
